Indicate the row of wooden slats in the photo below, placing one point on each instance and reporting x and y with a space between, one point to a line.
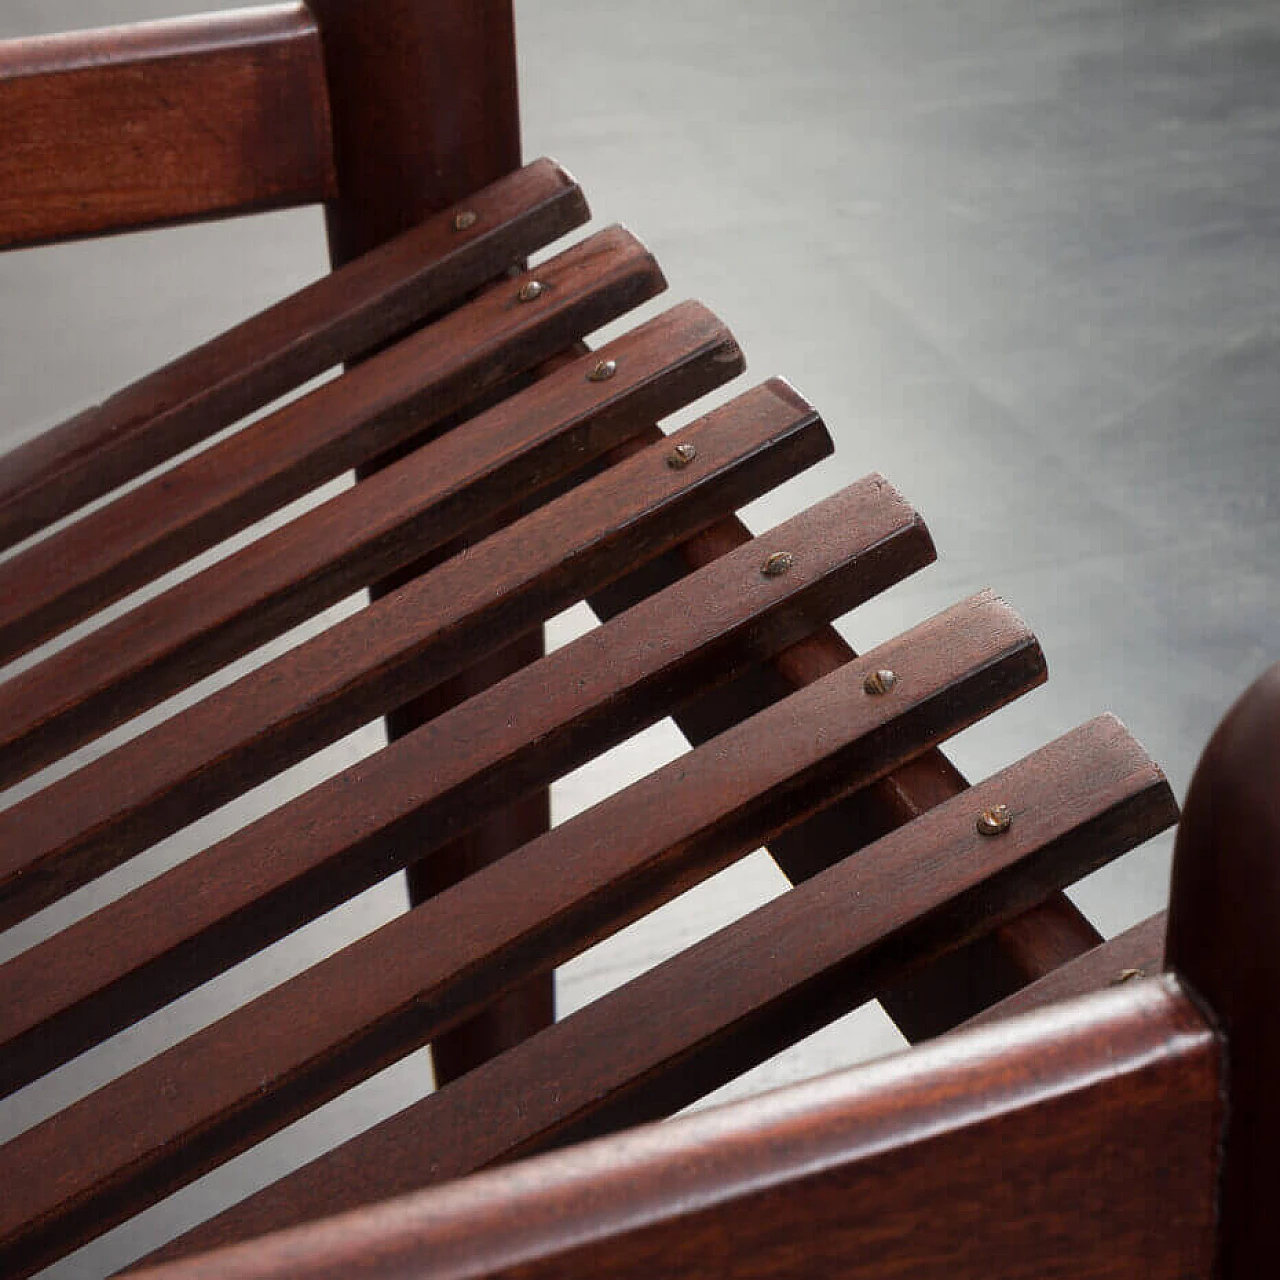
640 523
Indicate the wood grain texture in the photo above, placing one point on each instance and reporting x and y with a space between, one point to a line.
1224 922
1136 953
733 999
521 447
302 1043
1052 1146
397 648
181 929
1054 933
398 394
120 128
346 314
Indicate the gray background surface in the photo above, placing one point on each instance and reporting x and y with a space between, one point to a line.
1024 257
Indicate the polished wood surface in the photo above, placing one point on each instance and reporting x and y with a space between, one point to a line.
1054 1145
520 448
109 130
1224 940
729 1001
352 311
390 398
182 928
302 1043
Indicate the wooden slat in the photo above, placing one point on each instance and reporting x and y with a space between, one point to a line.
391 397
397 648
1136 953
1081 1141
523 445
162 122
987 970
181 929
302 1043
340 317
822 949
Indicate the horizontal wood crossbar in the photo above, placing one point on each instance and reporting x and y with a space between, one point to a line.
340 317
411 799
162 122
402 645
302 1043
758 985
518 449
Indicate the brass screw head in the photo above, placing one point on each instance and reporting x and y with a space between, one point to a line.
465 220
603 371
531 291
879 682
995 821
1127 975
681 456
778 564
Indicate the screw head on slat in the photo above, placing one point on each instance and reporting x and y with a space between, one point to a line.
778 564
995 821
879 682
603 371
465 220
531 291
681 456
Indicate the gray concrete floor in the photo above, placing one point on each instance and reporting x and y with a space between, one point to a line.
1025 258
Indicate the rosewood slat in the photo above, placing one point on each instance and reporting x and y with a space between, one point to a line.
395 395
295 1047
735 998
124 961
523 445
987 970
347 313
1136 953
124 127
1224 920
397 648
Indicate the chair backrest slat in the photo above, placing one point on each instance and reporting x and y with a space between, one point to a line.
111 130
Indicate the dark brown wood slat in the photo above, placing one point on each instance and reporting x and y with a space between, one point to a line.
1136 953
301 1044
168 936
1058 1150
340 317
523 445
1052 934
397 648
393 396
731 1001
114 129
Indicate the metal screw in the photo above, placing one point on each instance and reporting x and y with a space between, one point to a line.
995 821
879 682
465 220
778 564
681 456
531 291
1127 975
603 371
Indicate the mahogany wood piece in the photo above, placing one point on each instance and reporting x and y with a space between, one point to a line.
1224 923
1136 953
935 1000
665 1038
239 736
348 313
1057 1144
123 962
393 396
162 122
520 447
302 1043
